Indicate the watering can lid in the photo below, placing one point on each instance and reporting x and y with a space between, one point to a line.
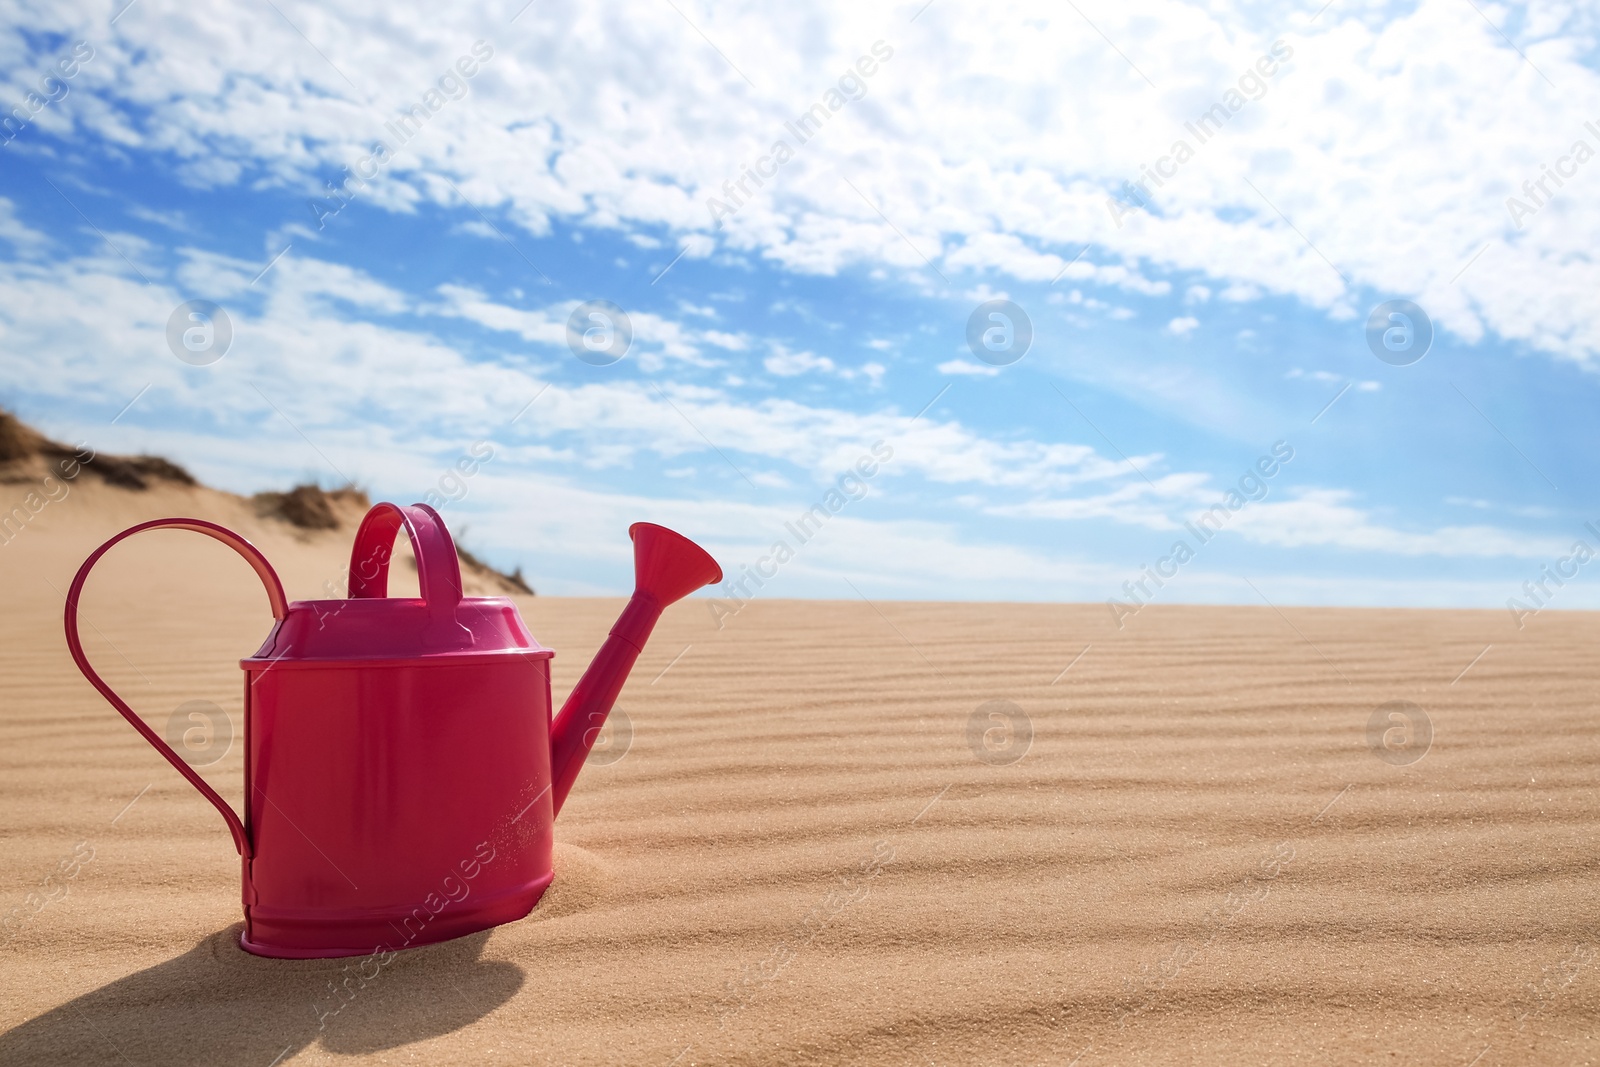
370 625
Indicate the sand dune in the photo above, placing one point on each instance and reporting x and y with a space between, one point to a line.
802 857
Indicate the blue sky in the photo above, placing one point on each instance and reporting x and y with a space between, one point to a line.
1173 346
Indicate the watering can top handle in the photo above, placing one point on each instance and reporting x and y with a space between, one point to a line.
280 609
438 569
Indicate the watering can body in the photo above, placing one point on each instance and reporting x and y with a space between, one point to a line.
394 802
403 768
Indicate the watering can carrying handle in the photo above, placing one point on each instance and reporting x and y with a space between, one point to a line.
438 569
280 609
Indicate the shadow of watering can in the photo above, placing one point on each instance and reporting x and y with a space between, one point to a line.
402 769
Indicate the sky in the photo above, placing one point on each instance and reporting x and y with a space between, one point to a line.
795 226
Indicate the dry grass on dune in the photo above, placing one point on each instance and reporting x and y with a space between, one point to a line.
46 472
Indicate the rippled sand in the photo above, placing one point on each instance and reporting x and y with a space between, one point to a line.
810 854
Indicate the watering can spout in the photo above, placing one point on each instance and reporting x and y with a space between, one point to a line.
667 567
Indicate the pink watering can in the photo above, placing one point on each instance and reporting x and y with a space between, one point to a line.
402 770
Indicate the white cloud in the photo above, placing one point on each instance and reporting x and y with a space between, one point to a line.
882 558
476 227
1310 517
312 349
314 360
23 238
1315 375
545 326
964 366
1382 155
1326 517
873 372
1159 504
1522 510
639 121
172 220
733 342
655 338
787 364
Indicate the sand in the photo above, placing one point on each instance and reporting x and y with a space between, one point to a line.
1199 858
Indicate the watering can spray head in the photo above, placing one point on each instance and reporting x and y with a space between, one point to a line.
667 567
